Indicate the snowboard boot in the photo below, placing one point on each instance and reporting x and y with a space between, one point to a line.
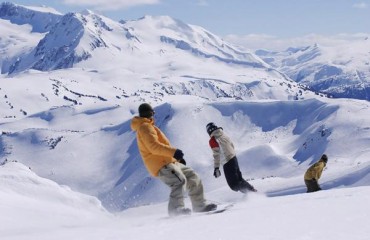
246 190
247 187
208 207
180 211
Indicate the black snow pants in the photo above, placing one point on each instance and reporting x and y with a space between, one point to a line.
312 185
234 177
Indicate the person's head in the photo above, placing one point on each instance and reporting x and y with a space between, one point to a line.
211 127
324 158
146 111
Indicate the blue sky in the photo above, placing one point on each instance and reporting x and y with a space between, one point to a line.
238 18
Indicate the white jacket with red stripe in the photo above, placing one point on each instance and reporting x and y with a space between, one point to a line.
221 146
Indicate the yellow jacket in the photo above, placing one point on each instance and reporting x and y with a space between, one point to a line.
315 170
154 147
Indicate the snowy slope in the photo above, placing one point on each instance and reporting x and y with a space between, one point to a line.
31 204
340 70
42 210
273 139
21 29
15 40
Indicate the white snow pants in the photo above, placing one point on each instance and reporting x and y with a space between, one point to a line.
178 177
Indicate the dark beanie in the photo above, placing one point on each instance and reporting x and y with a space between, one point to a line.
211 127
145 110
324 157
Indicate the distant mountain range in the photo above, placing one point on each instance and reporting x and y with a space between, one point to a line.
148 58
94 41
75 37
341 71
42 19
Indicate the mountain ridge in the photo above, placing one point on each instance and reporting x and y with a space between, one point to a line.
341 71
41 19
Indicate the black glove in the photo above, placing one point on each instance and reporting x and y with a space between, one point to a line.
182 161
178 155
216 172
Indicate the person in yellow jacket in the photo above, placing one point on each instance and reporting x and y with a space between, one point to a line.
167 163
313 174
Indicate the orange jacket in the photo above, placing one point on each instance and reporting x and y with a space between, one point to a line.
154 147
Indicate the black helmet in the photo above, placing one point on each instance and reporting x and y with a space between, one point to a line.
145 110
211 127
324 158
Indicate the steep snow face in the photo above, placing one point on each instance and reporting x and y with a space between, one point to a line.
21 29
181 58
341 71
79 37
70 41
15 40
42 19
192 39
25 192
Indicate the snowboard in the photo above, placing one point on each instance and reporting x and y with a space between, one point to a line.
220 209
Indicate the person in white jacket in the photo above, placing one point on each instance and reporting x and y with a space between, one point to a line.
222 146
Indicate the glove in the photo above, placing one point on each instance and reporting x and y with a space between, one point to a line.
216 172
182 161
178 155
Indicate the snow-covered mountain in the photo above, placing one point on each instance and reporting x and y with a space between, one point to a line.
146 59
67 97
42 19
77 37
159 48
21 29
341 70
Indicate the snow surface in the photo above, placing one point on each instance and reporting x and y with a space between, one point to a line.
37 208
